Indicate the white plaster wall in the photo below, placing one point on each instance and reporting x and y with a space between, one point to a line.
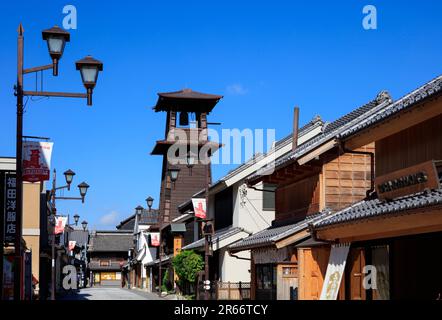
233 269
250 214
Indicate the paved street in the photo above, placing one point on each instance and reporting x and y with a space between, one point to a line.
111 293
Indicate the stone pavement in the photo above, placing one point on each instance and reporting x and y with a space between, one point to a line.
110 293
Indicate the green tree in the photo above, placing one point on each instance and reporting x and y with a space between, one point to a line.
187 264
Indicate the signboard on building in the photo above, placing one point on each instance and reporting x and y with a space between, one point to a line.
10 206
60 223
408 181
335 271
155 239
36 160
199 206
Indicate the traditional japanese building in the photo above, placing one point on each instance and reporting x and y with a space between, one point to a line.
393 240
317 178
239 211
108 252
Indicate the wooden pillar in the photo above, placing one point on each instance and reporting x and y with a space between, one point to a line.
177 245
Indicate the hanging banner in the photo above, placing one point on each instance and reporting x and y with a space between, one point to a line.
10 207
36 160
199 206
72 245
60 223
155 239
335 271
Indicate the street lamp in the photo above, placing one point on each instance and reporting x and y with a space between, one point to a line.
83 190
173 174
139 211
84 225
69 176
56 39
76 218
149 201
89 69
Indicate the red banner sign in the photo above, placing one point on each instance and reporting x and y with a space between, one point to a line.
60 223
72 245
36 160
199 206
155 239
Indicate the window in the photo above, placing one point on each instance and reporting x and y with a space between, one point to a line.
268 197
224 209
266 281
104 263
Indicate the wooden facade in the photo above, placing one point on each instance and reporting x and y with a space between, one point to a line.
333 182
403 246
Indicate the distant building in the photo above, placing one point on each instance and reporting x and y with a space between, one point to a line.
108 252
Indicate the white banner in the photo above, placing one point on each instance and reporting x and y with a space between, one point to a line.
60 223
155 239
199 206
335 271
36 160
72 245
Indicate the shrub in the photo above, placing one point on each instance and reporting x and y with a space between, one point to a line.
187 264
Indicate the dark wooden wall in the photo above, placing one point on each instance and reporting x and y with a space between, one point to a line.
296 200
347 179
411 146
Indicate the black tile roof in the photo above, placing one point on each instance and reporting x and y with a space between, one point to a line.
428 90
147 218
333 130
375 208
270 235
111 241
314 123
219 236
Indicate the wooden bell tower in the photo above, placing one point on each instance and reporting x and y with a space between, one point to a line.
184 138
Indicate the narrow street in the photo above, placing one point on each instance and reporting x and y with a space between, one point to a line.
111 293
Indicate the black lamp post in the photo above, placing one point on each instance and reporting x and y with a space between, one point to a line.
56 40
84 225
83 187
89 69
76 218
173 174
69 176
149 202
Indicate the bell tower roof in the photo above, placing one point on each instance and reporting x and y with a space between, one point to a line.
186 100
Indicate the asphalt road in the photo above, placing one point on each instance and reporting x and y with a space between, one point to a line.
111 293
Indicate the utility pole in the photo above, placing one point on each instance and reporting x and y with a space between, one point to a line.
54 213
18 288
206 236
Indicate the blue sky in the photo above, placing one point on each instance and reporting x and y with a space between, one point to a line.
264 57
